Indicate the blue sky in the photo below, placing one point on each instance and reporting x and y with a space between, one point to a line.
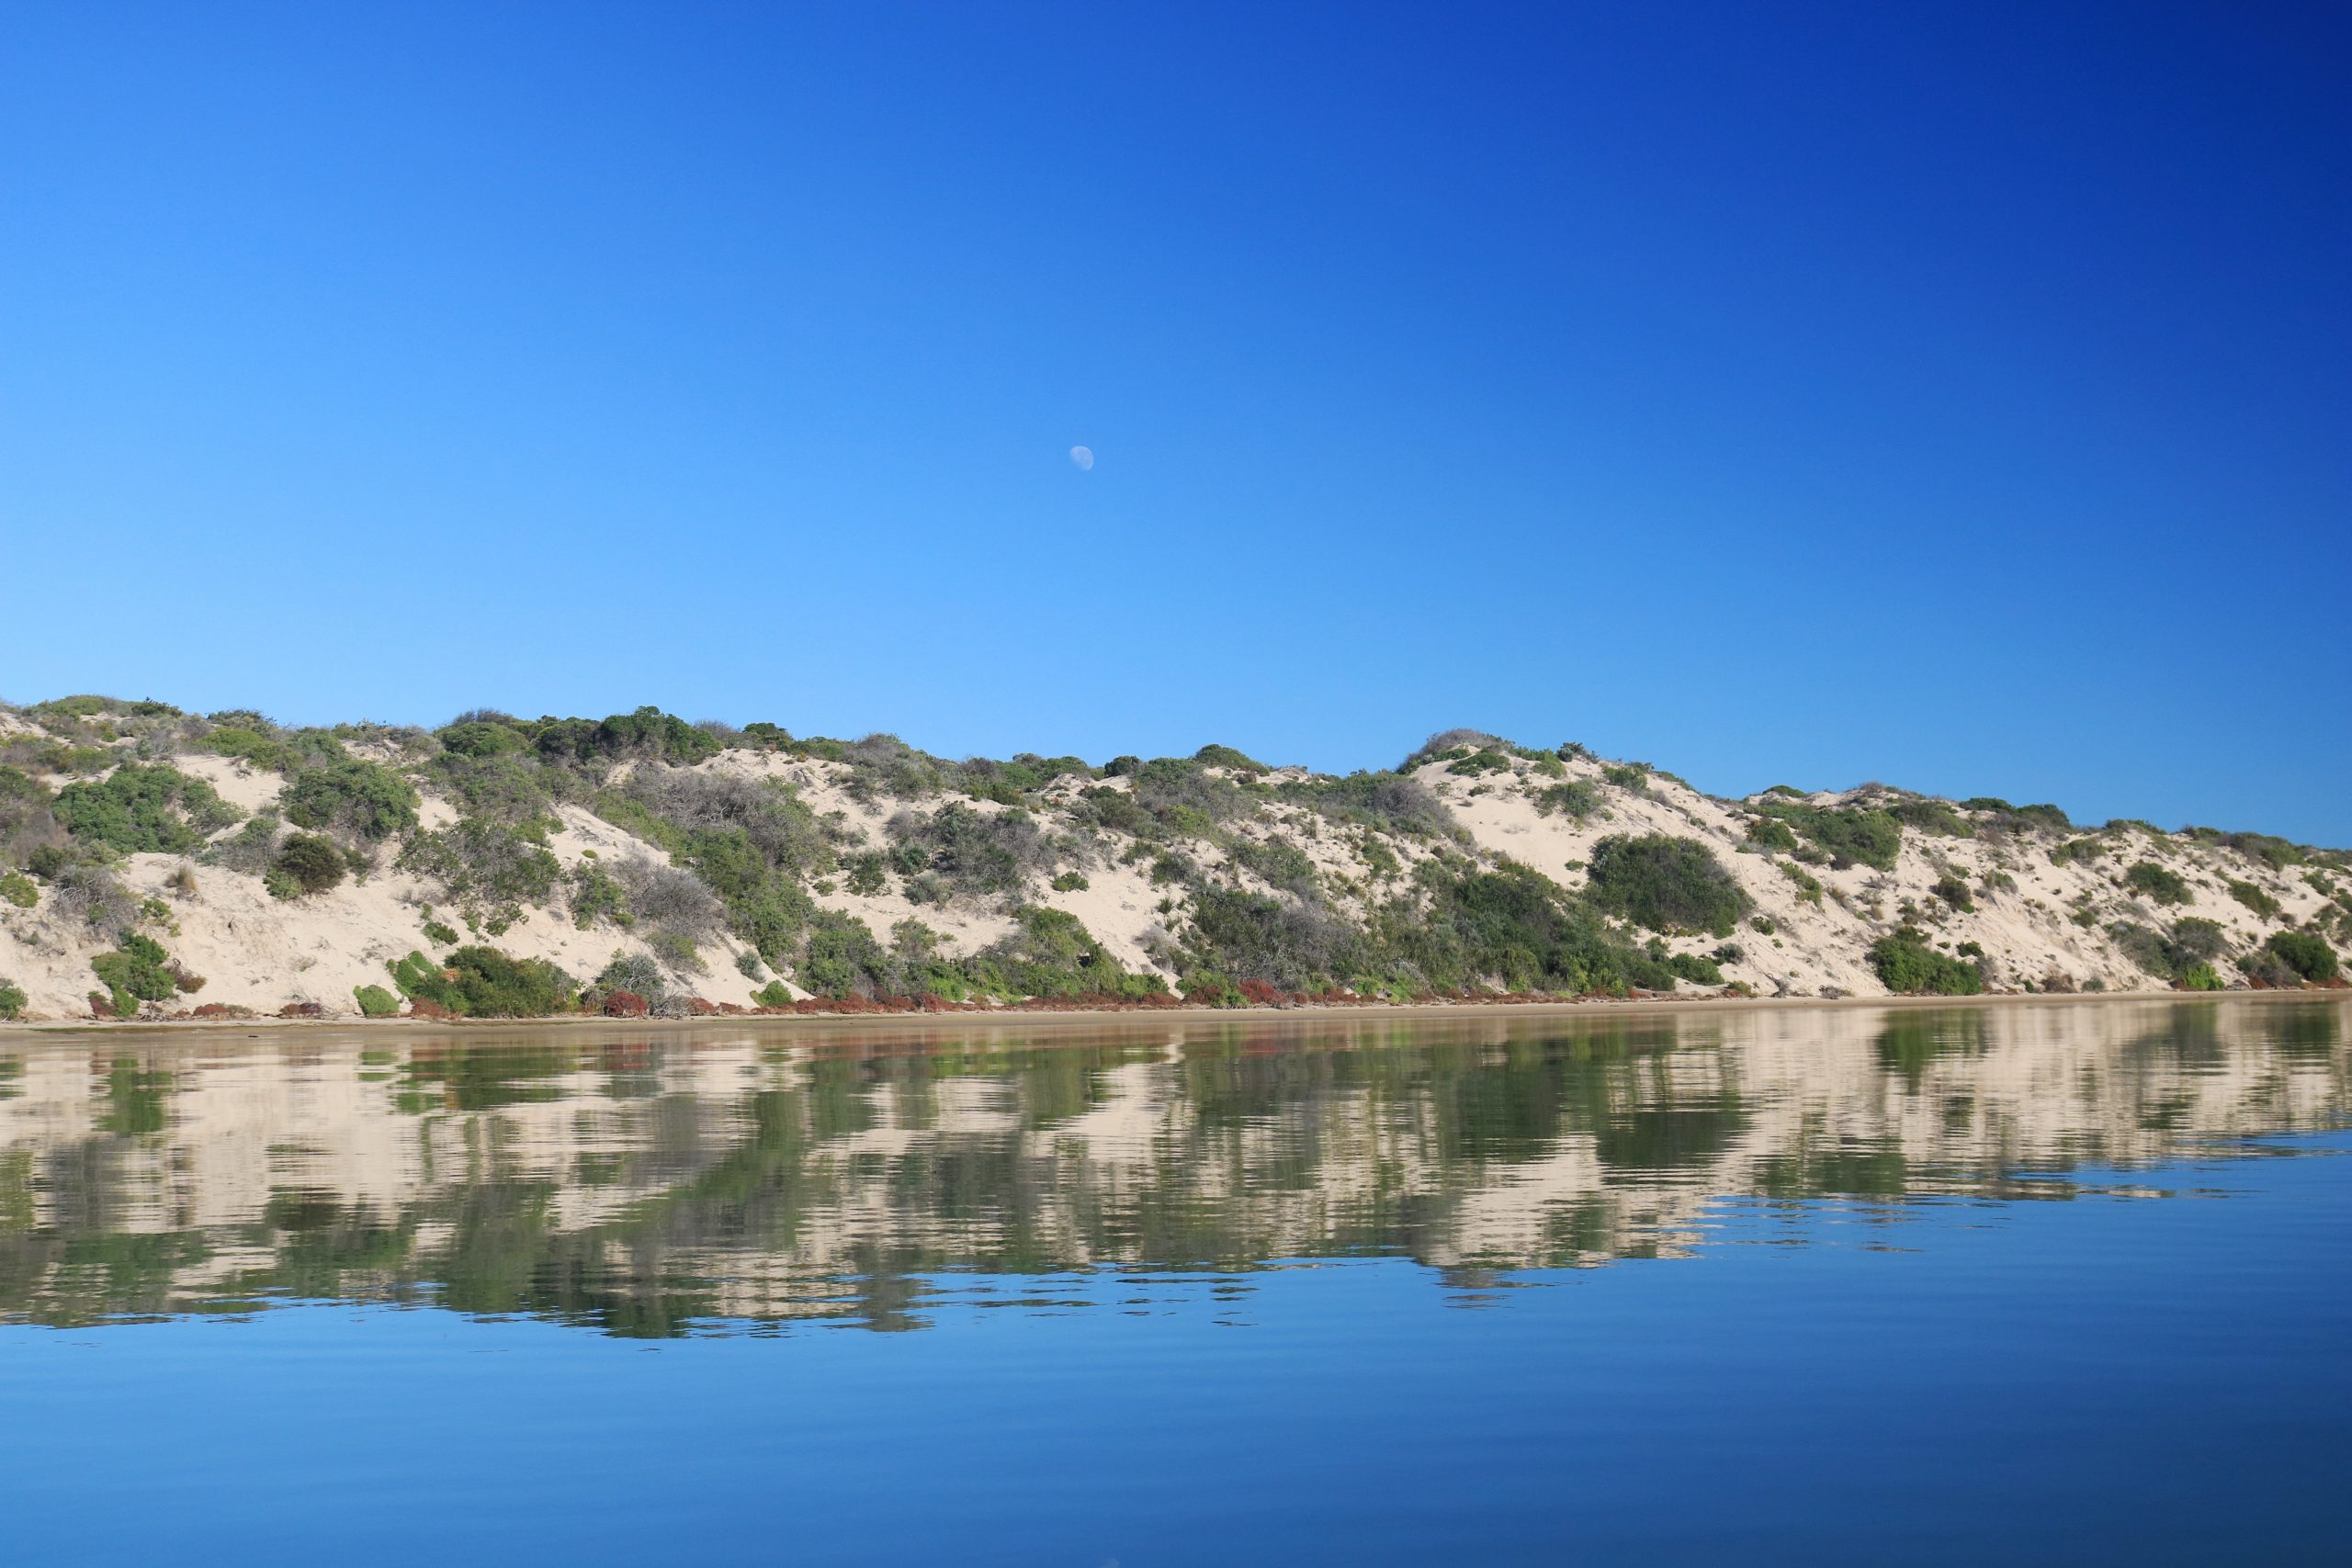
1957 395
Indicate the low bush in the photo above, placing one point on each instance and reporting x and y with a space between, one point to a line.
12 1000
2082 850
18 889
2310 958
250 849
2255 899
307 863
2159 882
1857 835
1907 965
1929 815
2193 941
143 810
1666 884
489 869
1209 986
1808 885
367 800
1955 892
138 970
1215 756
1051 954
775 994
375 1001
89 895
1279 863
421 979
1576 799
482 982
2199 977
2143 947
1071 882
1692 967
26 823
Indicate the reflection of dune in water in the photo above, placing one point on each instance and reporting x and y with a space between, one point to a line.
641 1183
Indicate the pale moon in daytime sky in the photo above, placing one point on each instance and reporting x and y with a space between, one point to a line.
1083 457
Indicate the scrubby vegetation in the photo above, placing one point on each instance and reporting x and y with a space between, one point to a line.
2306 956
2159 882
306 864
1263 882
138 970
1907 965
1666 884
482 982
143 810
1845 835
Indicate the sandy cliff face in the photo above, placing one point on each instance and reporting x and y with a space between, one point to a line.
2037 905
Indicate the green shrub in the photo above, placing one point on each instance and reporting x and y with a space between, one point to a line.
482 982
2143 947
2193 941
1933 817
775 994
483 738
26 823
2271 851
1854 834
375 1001
257 746
1771 833
138 970
1576 799
362 798
1808 885
1955 892
1509 925
434 930
1666 884
2157 882
18 889
1907 965
1208 986
1217 756
491 869
307 863
1692 967
1051 954
842 957
864 872
420 978
2084 850
143 810
1281 863
2255 899
1071 882
2199 977
2307 955
12 1000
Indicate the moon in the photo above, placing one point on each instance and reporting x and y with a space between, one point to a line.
1083 457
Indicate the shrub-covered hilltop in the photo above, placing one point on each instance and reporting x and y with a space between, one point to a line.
158 863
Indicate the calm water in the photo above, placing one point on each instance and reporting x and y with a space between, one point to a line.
2062 1283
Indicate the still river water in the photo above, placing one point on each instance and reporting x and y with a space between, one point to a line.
2062 1282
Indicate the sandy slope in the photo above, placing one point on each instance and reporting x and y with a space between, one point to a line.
262 952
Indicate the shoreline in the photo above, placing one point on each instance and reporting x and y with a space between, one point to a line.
786 1023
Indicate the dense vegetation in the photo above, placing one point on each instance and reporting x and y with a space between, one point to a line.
1907 965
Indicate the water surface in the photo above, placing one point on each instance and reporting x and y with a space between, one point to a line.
2041 1282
